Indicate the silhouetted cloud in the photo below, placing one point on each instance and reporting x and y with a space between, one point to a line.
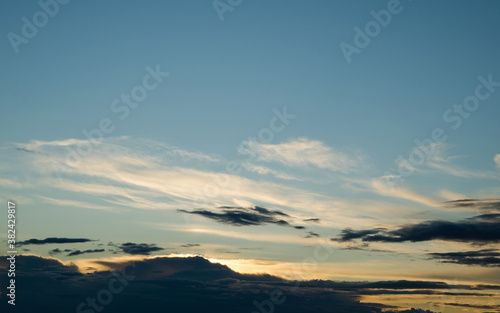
190 245
349 234
474 306
162 283
365 247
52 240
78 252
55 251
311 234
139 248
227 251
240 216
315 220
479 229
479 204
486 258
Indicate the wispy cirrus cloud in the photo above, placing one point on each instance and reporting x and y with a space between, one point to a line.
73 203
303 152
143 174
10 183
458 171
264 170
442 160
380 186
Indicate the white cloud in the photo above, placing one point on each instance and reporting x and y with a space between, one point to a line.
10 183
450 195
462 172
441 160
129 173
303 152
497 160
380 186
72 203
151 175
263 170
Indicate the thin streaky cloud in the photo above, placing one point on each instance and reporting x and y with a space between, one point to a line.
53 240
76 204
304 152
264 170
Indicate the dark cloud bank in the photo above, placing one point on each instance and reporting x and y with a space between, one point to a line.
193 285
480 229
477 230
485 257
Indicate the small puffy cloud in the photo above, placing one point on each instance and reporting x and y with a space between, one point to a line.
55 251
311 234
139 248
497 160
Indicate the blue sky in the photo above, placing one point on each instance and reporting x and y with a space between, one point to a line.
226 81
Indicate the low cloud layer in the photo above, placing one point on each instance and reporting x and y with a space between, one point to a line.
168 284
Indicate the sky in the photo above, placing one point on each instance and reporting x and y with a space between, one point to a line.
332 143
